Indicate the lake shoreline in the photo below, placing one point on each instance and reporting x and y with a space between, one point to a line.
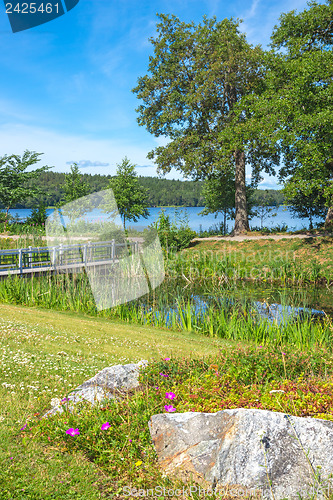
200 223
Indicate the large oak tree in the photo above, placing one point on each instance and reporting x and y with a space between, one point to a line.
193 94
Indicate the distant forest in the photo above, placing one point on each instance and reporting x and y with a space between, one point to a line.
161 192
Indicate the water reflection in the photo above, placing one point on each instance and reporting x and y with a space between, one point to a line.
173 301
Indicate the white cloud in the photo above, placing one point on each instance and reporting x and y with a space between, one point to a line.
253 9
88 163
58 147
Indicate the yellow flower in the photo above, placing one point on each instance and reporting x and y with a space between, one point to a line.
138 463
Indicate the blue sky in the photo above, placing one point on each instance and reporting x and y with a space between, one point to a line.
66 85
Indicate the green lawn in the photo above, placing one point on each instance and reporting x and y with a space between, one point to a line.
43 355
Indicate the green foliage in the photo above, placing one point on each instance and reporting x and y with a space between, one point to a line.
75 187
244 378
123 450
161 192
38 216
305 200
48 359
131 198
278 228
175 235
264 202
75 191
167 192
297 102
4 217
15 183
214 230
289 381
219 196
231 318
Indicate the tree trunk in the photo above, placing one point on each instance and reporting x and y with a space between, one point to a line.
241 219
329 219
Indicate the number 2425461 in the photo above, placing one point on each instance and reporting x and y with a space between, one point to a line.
32 8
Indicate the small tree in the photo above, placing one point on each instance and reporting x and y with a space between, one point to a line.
75 190
305 201
264 206
219 195
38 215
131 198
75 186
15 182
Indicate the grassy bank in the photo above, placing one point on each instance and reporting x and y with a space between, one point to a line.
45 354
289 260
174 307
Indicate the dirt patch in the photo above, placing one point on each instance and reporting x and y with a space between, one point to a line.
246 237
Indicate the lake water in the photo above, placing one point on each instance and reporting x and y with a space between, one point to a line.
198 222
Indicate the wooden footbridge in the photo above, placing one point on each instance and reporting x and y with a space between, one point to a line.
62 258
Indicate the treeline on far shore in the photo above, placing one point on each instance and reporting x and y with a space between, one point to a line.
161 192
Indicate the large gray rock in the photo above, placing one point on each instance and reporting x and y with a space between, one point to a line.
102 386
245 449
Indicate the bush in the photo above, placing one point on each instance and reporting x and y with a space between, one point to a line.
215 230
176 235
38 216
279 228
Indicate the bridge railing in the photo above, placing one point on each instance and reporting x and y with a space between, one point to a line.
63 255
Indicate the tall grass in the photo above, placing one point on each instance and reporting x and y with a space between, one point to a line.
220 317
23 240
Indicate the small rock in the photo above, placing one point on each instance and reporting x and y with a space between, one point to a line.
101 386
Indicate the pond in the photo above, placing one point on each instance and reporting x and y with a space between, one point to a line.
270 302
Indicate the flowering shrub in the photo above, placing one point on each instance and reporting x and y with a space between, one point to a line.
116 436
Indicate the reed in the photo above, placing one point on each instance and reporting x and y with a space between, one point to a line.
220 317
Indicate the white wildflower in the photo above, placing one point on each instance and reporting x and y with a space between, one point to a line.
55 402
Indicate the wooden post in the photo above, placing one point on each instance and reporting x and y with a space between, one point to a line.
60 254
113 250
20 260
89 251
54 251
85 254
30 257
